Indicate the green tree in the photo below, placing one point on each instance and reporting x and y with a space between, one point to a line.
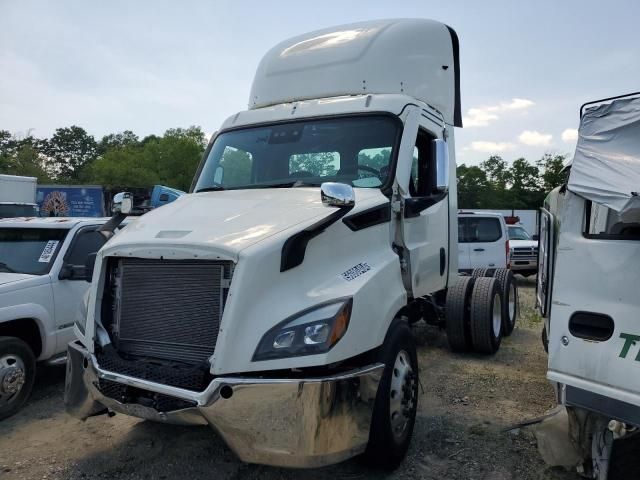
169 160
552 166
123 139
473 187
68 152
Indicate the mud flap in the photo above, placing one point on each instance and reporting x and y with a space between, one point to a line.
77 398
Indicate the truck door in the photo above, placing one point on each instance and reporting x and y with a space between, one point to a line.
425 222
464 247
487 239
70 284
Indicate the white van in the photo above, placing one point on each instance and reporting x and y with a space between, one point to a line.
483 241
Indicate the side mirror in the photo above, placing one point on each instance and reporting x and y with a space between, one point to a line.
89 265
536 237
66 272
122 203
441 152
337 195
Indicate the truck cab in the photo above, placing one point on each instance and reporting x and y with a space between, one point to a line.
587 283
273 301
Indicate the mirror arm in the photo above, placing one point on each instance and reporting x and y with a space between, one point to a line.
109 228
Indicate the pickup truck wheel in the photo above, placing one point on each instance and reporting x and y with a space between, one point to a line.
17 373
394 411
457 322
486 316
509 290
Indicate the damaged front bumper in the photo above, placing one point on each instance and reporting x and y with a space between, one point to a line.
303 423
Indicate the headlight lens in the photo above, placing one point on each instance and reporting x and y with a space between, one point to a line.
310 332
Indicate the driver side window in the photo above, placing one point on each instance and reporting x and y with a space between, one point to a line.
423 180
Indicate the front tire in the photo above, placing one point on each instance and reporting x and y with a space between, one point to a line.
17 374
396 402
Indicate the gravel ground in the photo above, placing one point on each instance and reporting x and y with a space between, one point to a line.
466 401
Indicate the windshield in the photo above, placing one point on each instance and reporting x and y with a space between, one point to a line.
12 210
29 250
352 150
518 233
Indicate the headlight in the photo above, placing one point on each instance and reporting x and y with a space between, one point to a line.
312 331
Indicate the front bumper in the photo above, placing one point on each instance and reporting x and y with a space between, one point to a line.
302 423
523 263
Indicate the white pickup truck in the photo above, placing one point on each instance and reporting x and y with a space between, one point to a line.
42 281
274 301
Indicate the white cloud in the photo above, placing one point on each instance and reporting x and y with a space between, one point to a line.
534 138
478 117
570 135
482 116
491 147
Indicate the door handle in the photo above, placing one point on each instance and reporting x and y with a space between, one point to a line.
478 249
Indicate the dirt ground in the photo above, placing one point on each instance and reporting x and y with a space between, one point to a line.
466 401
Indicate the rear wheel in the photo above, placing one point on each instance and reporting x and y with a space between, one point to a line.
457 322
396 403
478 272
17 374
509 291
486 316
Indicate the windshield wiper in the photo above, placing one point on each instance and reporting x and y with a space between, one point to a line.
214 188
7 268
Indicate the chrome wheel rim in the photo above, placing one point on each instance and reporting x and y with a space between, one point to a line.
12 377
402 395
512 302
497 315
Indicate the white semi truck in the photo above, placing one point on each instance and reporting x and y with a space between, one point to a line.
588 284
274 301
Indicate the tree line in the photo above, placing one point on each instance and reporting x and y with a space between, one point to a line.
72 156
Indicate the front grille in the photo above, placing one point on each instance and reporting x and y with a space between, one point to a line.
525 251
125 394
169 309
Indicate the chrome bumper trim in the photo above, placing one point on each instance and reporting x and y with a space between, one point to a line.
303 423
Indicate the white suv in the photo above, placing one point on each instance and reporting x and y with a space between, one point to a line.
483 241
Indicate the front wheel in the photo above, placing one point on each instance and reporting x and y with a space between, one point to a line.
17 374
394 412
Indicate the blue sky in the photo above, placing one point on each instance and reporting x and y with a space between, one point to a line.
146 66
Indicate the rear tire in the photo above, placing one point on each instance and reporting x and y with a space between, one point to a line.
394 411
17 374
478 272
457 315
509 291
486 316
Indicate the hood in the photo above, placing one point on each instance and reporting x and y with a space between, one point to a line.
523 243
232 220
6 278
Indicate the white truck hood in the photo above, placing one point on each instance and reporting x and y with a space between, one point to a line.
6 278
231 220
522 243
